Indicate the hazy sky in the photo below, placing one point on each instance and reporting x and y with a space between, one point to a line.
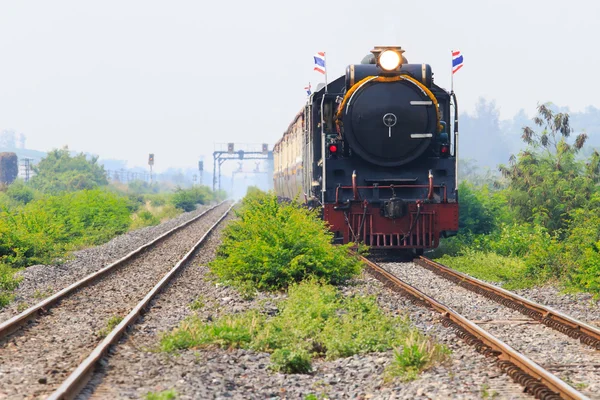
125 78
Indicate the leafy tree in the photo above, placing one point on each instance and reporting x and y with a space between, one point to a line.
546 180
20 192
476 214
59 172
481 137
9 167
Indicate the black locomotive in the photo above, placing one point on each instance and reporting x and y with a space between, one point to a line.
376 150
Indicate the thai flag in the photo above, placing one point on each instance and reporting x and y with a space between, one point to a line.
457 61
307 88
320 62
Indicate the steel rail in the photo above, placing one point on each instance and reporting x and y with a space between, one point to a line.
78 378
14 323
548 316
537 381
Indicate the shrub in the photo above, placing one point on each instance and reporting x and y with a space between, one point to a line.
580 257
59 172
46 228
9 167
474 214
273 245
20 192
144 218
186 199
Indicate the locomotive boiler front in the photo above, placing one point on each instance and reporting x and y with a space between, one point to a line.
389 118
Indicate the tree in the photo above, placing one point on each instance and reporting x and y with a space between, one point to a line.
481 137
9 167
546 180
59 172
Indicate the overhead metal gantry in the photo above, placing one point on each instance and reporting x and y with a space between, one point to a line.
227 151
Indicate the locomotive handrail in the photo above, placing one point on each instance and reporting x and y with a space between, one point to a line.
443 187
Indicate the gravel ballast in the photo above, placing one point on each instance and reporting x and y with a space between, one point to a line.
581 306
567 358
40 281
137 367
35 360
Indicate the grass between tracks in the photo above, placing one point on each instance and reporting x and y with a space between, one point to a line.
491 267
315 321
274 246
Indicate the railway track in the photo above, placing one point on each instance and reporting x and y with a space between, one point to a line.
537 380
585 333
51 348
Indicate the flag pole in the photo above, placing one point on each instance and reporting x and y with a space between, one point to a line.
453 98
451 73
325 59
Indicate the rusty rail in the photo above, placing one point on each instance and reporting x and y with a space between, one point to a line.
587 334
78 378
536 380
30 314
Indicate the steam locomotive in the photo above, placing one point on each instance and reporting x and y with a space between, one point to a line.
375 149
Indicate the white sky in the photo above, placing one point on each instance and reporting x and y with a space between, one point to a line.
125 78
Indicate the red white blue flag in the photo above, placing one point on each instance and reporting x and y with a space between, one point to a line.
320 62
457 61
307 88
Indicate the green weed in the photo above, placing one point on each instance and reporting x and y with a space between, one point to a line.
164 395
509 271
486 394
42 294
417 353
314 321
8 282
110 325
198 303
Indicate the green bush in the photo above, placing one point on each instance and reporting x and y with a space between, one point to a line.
20 192
48 227
580 256
60 172
475 215
273 245
314 321
186 199
145 218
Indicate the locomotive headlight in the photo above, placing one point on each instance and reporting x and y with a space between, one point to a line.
389 60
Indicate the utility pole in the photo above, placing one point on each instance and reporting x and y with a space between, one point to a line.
201 170
151 163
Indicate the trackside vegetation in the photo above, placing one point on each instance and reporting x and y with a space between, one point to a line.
272 245
315 321
280 246
539 221
69 205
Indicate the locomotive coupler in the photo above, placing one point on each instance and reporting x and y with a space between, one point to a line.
394 208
